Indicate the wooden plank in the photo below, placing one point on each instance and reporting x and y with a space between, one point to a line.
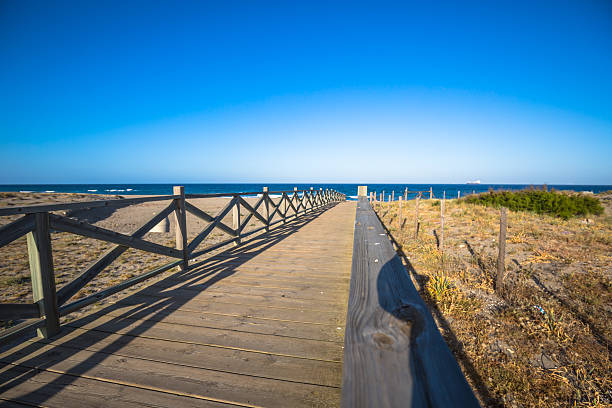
214 287
80 228
197 320
43 278
60 390
16 229
215 223
12 311
80 205
71 288
236 219
168 378
231 297
316 372
221 338
394 355
20 329
245 311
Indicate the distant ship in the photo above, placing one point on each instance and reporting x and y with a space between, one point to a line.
473 182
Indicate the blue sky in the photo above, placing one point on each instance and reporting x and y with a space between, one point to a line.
438 92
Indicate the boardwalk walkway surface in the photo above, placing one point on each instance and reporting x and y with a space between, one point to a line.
261 324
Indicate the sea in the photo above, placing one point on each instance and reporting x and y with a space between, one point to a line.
449 190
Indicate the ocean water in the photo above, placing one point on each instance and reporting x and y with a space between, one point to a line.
350 190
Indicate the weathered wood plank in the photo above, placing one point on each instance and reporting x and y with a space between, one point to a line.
12 311
394 355
16 229
229 339
43 278
175 379
80 205
180 223
65 224
60 389
326 373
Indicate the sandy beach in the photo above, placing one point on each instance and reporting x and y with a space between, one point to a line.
73 253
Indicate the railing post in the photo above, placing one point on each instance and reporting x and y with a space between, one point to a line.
320 197
311 201
180 222
284 199
296 198
236 218
266 197
43 278
430 193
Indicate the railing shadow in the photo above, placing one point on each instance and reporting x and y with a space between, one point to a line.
450 337
213 269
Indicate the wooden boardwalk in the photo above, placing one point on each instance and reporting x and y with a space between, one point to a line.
261 324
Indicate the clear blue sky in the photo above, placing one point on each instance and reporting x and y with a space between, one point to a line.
502 91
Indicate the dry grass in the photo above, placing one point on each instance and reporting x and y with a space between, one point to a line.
545 342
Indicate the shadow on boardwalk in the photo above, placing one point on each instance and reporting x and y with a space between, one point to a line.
171 294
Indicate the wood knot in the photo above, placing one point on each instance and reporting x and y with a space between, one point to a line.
382 341
413 320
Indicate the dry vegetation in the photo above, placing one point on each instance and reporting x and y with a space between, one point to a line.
545 340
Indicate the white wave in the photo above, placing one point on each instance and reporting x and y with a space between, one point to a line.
49 191
25 191
128 189
353 196
92 191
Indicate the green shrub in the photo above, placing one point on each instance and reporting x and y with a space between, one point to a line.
562 205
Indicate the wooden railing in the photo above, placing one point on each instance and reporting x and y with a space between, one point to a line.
38 221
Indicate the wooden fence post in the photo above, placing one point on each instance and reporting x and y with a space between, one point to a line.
442 202
406 194
266 199
399 218
43 278
458 194
236 220
501 256
430 193
382 196
393 195
311 198
416 216
180 222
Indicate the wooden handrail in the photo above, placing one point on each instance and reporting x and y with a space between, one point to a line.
394 355
38 220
